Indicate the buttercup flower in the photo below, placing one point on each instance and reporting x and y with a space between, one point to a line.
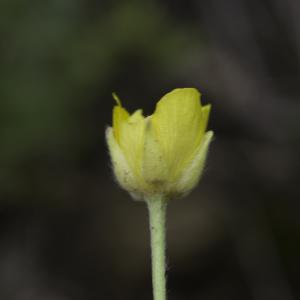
164 153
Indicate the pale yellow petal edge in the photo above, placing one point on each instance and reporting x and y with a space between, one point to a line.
122 171
194 171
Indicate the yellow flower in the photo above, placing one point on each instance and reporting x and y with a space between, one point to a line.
162 154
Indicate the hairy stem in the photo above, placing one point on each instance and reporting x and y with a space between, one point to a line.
157 214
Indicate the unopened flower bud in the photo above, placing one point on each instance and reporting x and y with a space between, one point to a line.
164 153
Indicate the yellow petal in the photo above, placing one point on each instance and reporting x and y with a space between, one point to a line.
131 140
122 171
194 170
178 127
154 167
205 116
120 115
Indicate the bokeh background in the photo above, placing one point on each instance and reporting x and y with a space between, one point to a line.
67 231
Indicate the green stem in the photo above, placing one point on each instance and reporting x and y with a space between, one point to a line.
157 214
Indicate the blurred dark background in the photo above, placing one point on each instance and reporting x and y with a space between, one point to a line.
67 231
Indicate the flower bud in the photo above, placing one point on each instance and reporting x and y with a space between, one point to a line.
162 154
